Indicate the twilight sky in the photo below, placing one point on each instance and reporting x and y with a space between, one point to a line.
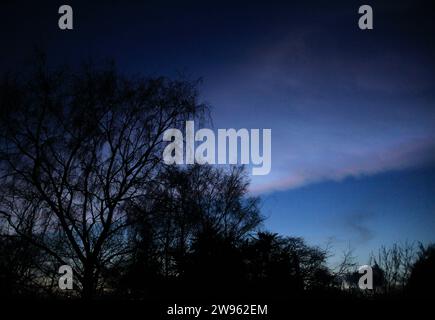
352 112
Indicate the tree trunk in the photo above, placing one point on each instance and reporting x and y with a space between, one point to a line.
89 283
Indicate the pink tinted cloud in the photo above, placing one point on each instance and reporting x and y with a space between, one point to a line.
411 154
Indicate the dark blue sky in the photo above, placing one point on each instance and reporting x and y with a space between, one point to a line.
352 112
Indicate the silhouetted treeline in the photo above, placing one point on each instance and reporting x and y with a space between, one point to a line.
83 184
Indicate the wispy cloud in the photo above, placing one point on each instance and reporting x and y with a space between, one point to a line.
353 164
333 114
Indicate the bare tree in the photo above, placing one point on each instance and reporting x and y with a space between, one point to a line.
344 272
347 264
396 263
75 147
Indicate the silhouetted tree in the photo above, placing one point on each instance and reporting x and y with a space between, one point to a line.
75 148
193 222
18 261
395 262
286 264
422 279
